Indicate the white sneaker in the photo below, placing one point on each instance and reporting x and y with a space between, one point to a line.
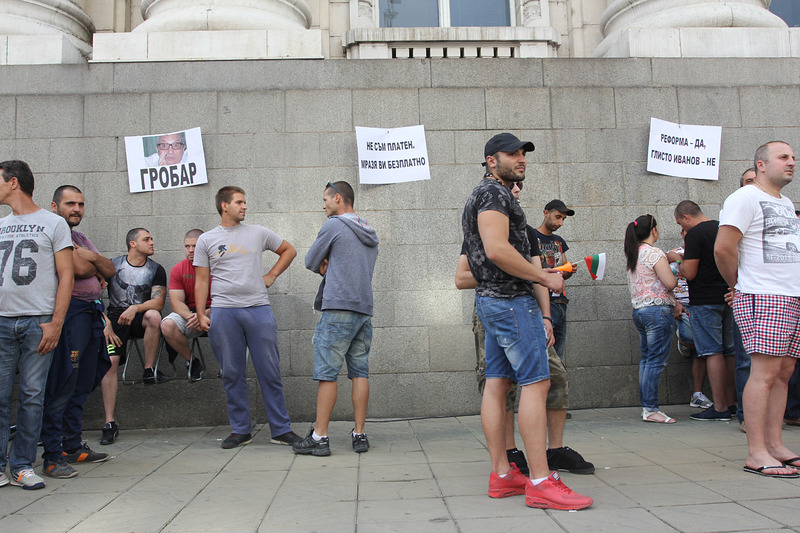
700 401
3 479
26 479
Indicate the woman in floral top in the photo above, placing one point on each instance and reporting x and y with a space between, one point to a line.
650 281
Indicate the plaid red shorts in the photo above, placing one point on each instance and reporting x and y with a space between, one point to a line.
769 323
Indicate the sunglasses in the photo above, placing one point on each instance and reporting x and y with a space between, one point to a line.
330 184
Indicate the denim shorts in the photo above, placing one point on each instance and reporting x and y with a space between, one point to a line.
712 328
342 336
516 345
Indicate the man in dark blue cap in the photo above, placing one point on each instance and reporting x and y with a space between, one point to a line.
499 254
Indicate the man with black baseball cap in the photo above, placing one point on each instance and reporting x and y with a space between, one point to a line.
498 252
554 250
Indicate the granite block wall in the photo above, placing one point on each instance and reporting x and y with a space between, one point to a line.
282 129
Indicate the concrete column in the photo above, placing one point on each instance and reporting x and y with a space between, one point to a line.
200 15
622 17
52 31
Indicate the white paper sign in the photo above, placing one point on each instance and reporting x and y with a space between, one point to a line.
166 161
683 150
393 155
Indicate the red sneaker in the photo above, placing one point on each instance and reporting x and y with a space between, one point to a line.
553 494
511 485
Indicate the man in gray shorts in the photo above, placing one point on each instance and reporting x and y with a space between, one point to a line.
181 326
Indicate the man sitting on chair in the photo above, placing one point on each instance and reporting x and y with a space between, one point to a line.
136 295
181 326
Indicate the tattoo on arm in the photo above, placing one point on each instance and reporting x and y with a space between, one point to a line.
158 292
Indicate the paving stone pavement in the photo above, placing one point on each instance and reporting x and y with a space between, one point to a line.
421 475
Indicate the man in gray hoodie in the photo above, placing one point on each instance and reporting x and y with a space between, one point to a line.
344 255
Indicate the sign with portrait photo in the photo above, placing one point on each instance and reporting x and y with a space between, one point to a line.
166 161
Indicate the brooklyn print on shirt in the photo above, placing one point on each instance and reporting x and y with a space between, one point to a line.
781 233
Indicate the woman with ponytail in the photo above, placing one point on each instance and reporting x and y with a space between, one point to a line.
650 281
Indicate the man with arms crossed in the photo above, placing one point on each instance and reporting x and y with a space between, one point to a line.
240 315
73 374
756 252
344 253
181 326
498 253
36 278
136 297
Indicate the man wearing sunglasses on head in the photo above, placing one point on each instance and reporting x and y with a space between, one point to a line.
344 253
498 252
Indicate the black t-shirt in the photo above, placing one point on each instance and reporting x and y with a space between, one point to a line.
553 248
132 285
535 251
708 287
491 195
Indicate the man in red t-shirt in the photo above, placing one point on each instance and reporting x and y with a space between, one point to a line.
181 326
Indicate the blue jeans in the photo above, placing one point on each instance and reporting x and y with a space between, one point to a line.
19 338
656 326
516 346
233 331
741 369
342 336
558 312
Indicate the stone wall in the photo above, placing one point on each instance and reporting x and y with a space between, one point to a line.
281 130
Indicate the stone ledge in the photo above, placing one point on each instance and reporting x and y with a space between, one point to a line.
706 42
52 49
207 45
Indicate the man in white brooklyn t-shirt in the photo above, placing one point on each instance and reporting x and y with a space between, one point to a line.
240 316
758 253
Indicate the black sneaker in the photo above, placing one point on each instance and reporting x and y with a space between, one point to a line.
309 446
712 414
234 440
195 369
518 458
565 458
84 454
288 438
110 433
733 410
360 442
58 469
151 378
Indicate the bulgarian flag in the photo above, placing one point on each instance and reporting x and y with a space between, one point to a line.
596 265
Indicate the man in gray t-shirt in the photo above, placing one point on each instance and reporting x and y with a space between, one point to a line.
36 278
240 315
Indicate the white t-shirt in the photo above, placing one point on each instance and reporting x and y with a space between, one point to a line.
28 277
233 256
769 252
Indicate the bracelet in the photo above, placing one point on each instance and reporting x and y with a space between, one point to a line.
547 318
678 261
